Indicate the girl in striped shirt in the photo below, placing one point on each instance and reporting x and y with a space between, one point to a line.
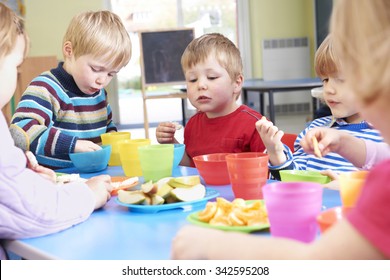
344 117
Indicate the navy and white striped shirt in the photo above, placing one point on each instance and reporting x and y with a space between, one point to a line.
299 160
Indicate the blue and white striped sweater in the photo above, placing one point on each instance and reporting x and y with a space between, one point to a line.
303 161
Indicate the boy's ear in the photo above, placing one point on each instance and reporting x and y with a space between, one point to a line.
238 83
67 49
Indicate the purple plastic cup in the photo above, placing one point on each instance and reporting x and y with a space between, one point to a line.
292 209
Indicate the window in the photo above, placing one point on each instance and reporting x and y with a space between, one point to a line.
204 16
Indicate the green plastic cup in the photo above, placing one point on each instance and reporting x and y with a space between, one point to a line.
156 161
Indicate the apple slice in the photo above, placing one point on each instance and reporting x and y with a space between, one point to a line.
164 191
149 188
156 199
190 193
131 197
163 181
185 181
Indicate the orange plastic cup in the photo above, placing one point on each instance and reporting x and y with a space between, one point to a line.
248 173
113 139
129 156
351 184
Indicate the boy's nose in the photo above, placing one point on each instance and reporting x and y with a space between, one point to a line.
101 80
202 85
329 89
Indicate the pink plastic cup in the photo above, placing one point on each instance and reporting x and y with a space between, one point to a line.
248 173
293 208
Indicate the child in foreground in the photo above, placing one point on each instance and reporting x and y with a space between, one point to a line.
31 204
345 117
213 71
65 110
363 42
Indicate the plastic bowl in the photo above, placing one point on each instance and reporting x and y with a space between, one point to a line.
303 176
95 161
178 153
213 168
329 217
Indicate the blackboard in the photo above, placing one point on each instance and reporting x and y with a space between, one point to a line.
161 53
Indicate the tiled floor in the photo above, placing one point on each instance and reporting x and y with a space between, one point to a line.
131 115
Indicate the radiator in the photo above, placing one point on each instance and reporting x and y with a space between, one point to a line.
287 58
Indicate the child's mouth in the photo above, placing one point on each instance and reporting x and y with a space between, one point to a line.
203 98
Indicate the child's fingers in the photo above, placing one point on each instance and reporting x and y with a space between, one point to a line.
31 160
278 135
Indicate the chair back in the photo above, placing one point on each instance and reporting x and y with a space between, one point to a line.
289 140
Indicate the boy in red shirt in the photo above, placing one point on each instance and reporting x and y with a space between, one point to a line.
212 67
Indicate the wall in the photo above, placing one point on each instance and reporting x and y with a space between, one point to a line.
47 20
279 19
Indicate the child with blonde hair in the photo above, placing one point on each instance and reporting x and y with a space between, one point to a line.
213 71
65 110
345 117
31 204
361 35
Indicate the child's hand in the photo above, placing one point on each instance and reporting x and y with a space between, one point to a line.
193 242
165 133
101 187
334 183
86 146
46 173
329 140
331 174
271 137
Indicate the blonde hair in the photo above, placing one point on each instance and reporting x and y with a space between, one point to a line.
100 34
226 53
11 26
326 61
361 32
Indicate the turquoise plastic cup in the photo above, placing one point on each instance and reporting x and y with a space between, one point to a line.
156 161
178 153
293 208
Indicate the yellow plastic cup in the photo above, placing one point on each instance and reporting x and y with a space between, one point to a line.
128 153
156 161
351 184
113 139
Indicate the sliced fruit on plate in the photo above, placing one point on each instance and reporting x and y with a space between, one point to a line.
236 213
131 197
164 191
208 213
149 188
189 193
157 200
184 181
123 183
